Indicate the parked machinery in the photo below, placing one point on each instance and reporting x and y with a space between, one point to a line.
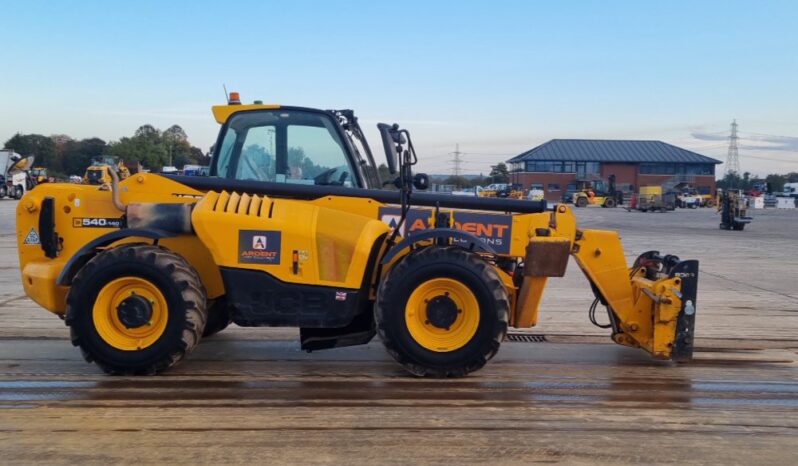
99 172
652 198
733 208
596 192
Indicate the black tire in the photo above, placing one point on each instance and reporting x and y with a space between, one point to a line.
3 191
442 262
18 192
581 201
182 290
218 317
609 203
738 226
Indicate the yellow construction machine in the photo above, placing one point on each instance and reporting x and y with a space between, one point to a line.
39 175
99 172
502 190
290 229
596 192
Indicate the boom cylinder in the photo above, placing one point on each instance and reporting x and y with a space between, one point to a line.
309 192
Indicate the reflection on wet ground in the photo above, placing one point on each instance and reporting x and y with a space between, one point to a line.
549 402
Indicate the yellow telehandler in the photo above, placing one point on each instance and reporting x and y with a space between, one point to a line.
290 229
99 171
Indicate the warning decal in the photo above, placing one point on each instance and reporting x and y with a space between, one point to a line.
32 238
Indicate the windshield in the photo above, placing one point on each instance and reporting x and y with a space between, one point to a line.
284 146
94 175
105 160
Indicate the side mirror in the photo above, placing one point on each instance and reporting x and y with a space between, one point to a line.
421 181
390 138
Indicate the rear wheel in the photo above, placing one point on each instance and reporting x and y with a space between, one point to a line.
442 311
136 309
581 201
609 202
3 191
18 192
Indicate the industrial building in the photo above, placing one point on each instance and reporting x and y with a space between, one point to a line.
556 166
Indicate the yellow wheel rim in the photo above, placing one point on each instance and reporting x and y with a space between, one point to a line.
422 325
107 320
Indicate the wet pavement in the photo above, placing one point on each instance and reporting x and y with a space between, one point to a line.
238 400
251 395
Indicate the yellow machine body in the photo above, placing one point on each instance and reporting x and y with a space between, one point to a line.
331 239
319 258
86 212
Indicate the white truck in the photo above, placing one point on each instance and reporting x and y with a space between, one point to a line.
790 190
13 174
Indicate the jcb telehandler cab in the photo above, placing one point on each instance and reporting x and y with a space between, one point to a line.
99 171
289 230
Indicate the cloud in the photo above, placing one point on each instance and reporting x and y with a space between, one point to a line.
709 136
754 141
781 143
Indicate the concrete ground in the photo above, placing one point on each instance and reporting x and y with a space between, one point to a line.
250 395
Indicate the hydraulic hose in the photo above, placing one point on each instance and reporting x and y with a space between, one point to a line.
115 190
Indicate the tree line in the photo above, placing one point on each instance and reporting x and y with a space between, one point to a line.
746 181
498 174
63 155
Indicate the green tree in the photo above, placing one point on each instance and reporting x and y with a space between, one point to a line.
149 133
146 146
776 182
77 155
178 146
458 181
477 181
499 173
730 180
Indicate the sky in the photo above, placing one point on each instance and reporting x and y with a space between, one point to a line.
497 78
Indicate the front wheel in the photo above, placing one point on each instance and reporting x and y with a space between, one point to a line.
136 309
581 202
442 312
609 202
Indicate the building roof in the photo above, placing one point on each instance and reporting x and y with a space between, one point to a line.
612 150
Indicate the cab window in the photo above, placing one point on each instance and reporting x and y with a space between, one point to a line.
284 146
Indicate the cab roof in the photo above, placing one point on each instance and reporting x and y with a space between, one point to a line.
223 112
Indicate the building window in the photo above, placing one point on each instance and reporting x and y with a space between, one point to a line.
584 169
677 169
543 166
557 166
554 186
536 186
